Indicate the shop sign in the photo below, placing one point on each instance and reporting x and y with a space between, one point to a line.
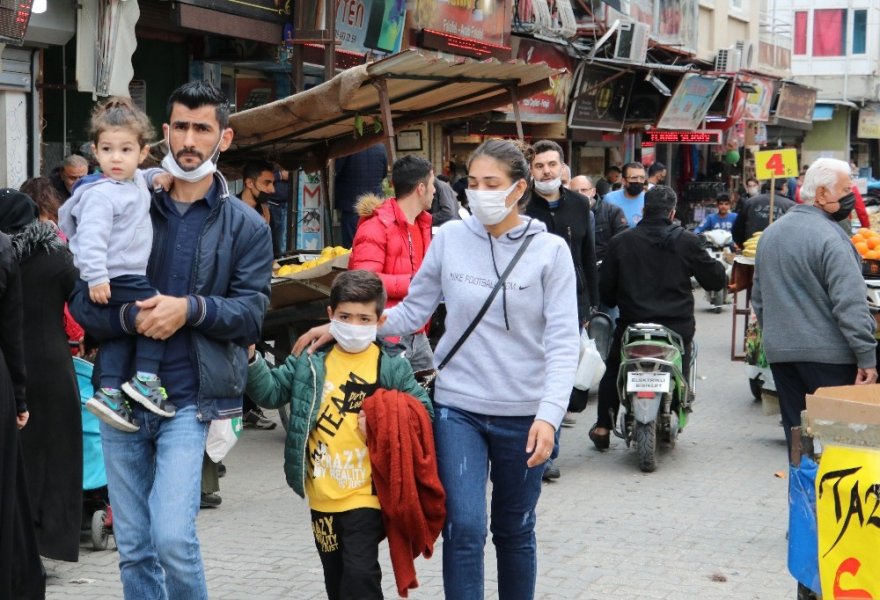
796 103
869 122
363 25
776 164
692 98
555 100
757 107
848 518
600 99
310 212
274 11
701 136
461 27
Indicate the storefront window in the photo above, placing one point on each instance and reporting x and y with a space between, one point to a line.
829 32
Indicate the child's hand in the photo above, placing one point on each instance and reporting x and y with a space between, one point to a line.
163 180
100 294
252 349
362 424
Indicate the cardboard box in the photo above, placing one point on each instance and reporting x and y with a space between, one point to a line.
847 415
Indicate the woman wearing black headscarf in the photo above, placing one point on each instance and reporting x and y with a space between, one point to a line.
52 441
21 572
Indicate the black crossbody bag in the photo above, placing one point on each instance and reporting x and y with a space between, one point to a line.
426 378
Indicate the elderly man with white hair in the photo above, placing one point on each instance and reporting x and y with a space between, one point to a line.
810 296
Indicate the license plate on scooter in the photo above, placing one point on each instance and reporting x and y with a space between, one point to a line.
639 381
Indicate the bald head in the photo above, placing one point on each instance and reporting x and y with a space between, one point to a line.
583 185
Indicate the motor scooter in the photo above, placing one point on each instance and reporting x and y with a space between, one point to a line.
654 396
716 241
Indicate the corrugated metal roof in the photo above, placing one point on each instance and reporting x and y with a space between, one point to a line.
321 120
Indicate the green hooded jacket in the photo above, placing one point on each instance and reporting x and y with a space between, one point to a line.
299 382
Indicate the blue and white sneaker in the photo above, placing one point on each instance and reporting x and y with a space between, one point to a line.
113 409
150 394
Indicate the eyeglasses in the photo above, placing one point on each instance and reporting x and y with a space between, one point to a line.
636 179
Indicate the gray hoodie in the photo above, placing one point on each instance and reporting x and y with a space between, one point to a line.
521 358
109 228
809 293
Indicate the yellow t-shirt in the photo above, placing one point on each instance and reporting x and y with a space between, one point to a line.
339 465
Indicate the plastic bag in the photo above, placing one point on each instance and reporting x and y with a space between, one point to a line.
222 435
590 368
803 538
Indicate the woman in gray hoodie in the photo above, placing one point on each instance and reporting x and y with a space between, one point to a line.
503 394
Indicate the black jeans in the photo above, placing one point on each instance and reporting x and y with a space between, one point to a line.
609 401
348 544
794 380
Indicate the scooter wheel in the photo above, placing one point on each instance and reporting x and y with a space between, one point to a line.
99 532
646 445
756 387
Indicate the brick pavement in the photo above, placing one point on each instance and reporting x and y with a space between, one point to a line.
712 511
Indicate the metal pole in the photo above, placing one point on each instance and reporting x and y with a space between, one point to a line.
330 47
325 197
772 197
293 210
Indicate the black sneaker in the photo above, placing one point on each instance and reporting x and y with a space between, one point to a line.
150 394
551 471
113 409
211 500
255 419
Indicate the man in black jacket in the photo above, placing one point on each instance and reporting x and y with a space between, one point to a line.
754 215
567 214
609 218
647 273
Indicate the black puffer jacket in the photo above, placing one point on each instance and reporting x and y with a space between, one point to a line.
647 273
572 220
610 220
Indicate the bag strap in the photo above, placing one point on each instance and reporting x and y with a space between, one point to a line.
488 302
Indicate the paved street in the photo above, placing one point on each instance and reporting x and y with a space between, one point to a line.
710 523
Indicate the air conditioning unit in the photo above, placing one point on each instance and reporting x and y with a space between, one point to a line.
727 60
748 54
632 42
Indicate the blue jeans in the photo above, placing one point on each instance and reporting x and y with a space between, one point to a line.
472 449
154 479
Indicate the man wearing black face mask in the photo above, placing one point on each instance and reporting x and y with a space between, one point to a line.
631 198
807 266
259 185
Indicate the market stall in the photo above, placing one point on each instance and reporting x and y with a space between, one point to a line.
352 111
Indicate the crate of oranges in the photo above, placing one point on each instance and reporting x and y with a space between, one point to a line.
867 243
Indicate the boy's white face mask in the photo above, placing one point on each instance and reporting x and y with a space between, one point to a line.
353 338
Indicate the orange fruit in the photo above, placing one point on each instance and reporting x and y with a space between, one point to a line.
864 231
862 247
873 242
871 255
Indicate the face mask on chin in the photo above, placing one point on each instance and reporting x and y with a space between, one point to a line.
207 168
353 338
548 187
490 206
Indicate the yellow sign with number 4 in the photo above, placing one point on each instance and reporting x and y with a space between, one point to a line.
776 164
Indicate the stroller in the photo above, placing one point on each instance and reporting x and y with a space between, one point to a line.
97 515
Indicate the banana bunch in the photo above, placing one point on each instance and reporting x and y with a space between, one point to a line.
750 248
328 253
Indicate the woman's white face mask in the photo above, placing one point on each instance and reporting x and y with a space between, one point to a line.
490 206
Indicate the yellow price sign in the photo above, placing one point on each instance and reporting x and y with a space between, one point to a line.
848 515
776 164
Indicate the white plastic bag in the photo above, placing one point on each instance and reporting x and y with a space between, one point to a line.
222 435
591 367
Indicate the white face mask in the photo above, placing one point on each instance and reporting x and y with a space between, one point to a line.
489 206
548 187
353 338
209 167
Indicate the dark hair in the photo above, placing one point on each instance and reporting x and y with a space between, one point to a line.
408 172
41 191
442 178
358 286
542 146
121 112
656 168
751 179
660 200
513 156
253 168
197 94
722 197
633 165
612 169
